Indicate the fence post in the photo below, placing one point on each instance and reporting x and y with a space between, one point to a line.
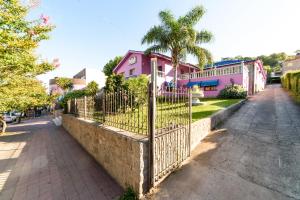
84 107
103 106
69 107
190 119
151 117
75 109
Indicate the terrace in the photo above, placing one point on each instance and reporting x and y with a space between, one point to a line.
235 69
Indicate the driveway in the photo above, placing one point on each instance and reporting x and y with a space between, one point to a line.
41 161
254 155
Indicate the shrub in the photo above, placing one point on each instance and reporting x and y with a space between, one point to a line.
291 81
129 194
233 92
115 82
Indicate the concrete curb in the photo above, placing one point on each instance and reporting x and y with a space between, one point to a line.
221 116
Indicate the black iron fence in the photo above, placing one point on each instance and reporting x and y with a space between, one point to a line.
127 110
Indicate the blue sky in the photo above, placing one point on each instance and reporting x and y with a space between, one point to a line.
89 33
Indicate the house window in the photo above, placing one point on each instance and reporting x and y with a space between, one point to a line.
159 68
131 72
210 88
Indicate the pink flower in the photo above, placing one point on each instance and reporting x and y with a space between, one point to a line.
45 19
56 62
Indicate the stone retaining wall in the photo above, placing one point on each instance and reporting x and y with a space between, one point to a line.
123 155
202 127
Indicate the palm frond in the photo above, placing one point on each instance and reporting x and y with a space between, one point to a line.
167 18
154 35
203 55
203 36
193 16
156 49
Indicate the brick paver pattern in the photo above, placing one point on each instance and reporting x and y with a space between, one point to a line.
41 161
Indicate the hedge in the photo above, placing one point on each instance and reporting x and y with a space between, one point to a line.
291 81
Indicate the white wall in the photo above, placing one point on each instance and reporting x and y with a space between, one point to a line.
95 75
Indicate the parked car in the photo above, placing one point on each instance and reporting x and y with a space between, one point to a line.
9 117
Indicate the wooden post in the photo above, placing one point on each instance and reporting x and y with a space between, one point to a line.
103 106
69 107
152 115
75 109
85 107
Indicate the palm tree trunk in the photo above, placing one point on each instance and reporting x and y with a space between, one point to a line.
175 68
175 75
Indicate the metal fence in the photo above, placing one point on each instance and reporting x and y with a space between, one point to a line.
127 110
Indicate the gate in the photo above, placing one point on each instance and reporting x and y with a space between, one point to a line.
169 128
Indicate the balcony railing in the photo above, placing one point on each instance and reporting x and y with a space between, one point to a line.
237 69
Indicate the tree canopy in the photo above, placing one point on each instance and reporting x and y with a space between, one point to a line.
19 65
115 82
179 37
92 88
108 67
272 61
64 83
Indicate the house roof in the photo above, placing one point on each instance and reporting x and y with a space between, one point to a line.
226 63
152 54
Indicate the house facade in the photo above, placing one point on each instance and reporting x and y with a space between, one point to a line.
89 75
135 63
55 89
249 74
80 80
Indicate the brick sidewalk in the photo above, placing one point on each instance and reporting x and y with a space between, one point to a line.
41 161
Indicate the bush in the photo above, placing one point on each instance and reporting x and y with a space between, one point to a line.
233 92
129 194
138 86
291 81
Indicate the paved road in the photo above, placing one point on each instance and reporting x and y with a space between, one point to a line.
41 161
254 155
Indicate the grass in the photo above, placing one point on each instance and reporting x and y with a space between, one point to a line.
210 107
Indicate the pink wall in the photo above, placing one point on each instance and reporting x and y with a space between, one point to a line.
143 65
223 81
126 66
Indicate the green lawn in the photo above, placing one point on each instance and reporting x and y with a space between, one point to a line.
211 106
166 114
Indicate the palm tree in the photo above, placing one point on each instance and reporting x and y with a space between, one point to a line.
179 37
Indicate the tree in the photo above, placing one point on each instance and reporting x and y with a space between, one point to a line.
179 37
92 88
64 83
138 86
273 60
115 82
19 66
268 69
108 67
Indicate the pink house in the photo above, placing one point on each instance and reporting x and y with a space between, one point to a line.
135 63
249 74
